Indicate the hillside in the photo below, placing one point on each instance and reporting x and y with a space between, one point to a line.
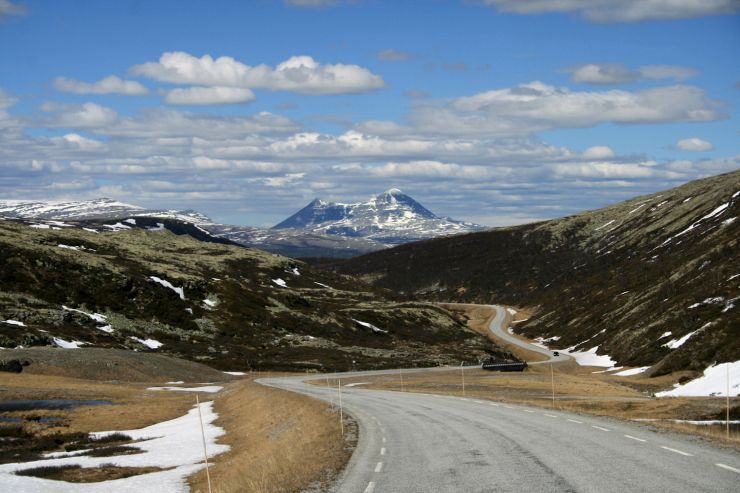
227 306
654 281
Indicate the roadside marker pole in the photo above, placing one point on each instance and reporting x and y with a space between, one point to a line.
331 398
552 380
727 418
400 372
462 371
203 435
341 411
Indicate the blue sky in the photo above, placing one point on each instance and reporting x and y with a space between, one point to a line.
494 111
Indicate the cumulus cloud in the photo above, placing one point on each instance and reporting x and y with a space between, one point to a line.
301 74
8 8
619 73
694 144
391 55
209 95
598 152
110 85
87 116
536 106
620 10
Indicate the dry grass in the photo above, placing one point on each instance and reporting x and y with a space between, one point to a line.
280 442
133 406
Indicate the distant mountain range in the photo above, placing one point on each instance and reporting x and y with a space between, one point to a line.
652 282
321 229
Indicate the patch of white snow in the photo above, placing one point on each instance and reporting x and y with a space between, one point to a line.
712 383
180 291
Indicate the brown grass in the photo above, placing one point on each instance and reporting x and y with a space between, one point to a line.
280 442
133 406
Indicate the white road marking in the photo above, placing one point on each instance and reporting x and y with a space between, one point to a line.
508 407
383 439
677 451
479 402
729 468
493 404
550 415
382 451
528 411
599 428
575 421
635 438
379 467
370 487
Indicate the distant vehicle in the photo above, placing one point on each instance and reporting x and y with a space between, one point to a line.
493 365
555 353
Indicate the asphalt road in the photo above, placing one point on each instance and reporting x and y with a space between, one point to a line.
426 443
497 329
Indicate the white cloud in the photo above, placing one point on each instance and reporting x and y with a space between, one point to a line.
604 170
8 8
209 95
598 152
694 144
619 73
88 115
110 85
536 106
301 74
391 55
621 10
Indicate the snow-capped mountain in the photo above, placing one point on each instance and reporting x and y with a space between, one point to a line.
390 218
102 209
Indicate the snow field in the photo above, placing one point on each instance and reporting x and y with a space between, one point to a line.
176 443
712 383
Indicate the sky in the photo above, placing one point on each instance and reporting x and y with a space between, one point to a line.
498 112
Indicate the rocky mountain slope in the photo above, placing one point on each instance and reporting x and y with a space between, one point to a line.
231 307
654 281
390 218
321 229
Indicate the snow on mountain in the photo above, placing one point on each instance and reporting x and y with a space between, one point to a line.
102 208
390 218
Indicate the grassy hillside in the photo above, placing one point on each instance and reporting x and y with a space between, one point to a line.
238 308
620 278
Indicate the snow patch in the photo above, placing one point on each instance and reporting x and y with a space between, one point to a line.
323 285
665 334
68 344
150 343
159 227
180 291
590 358
677 343
176 444
713 383
280 282
630 372
235 373
211 389
370 326
14 322
130 221
605 225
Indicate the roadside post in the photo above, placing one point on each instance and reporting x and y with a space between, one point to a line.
341 411
462 371
400 373
552 381
203 435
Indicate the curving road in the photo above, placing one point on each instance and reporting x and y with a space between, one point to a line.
423 443
499 331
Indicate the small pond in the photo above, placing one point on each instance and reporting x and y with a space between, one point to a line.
33 405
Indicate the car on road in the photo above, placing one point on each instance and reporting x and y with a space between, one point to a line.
555 353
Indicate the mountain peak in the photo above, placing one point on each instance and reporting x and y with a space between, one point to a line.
391 217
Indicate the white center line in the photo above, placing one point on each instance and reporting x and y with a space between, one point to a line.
575 421
382 451
528 411
493 404
635 438
599 428
383 439
677 451
729 468
379 467
479 402
370 487
508 407
550 415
